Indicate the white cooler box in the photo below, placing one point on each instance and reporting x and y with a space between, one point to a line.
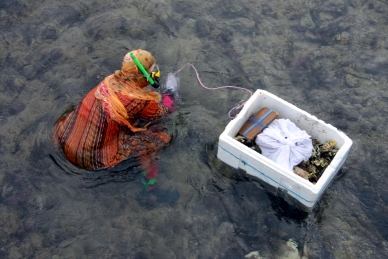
238 155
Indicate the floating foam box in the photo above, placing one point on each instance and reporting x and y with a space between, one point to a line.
237 155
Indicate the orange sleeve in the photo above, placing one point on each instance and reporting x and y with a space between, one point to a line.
153 110
147 110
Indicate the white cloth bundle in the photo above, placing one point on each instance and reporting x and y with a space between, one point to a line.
284 143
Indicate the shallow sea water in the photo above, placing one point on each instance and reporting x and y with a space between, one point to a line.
329 58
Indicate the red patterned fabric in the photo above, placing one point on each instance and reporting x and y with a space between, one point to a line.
91 140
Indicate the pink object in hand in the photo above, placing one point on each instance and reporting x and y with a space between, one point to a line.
167 101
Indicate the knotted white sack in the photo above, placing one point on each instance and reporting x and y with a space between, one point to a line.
284 143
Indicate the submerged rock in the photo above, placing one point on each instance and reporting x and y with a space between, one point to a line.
352 81
16 108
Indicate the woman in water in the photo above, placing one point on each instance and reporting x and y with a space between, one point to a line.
118 119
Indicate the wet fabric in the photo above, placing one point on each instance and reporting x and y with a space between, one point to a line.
130 82
108 127
109 89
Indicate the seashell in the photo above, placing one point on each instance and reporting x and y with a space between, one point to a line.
328 146
316 152
256 148
239 138
312 169
313 178
302 173
291 243
332 153
321 157
320 162
243 140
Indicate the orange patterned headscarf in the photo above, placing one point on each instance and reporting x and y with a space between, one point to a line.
128 81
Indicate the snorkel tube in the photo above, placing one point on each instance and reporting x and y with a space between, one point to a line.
155 83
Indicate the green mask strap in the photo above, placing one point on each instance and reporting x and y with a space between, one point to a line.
142 69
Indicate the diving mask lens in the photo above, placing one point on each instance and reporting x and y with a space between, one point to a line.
155 74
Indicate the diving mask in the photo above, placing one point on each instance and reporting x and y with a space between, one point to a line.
155 71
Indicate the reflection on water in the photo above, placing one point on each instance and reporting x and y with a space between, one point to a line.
328 58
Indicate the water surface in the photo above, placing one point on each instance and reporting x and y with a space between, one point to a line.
329 58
